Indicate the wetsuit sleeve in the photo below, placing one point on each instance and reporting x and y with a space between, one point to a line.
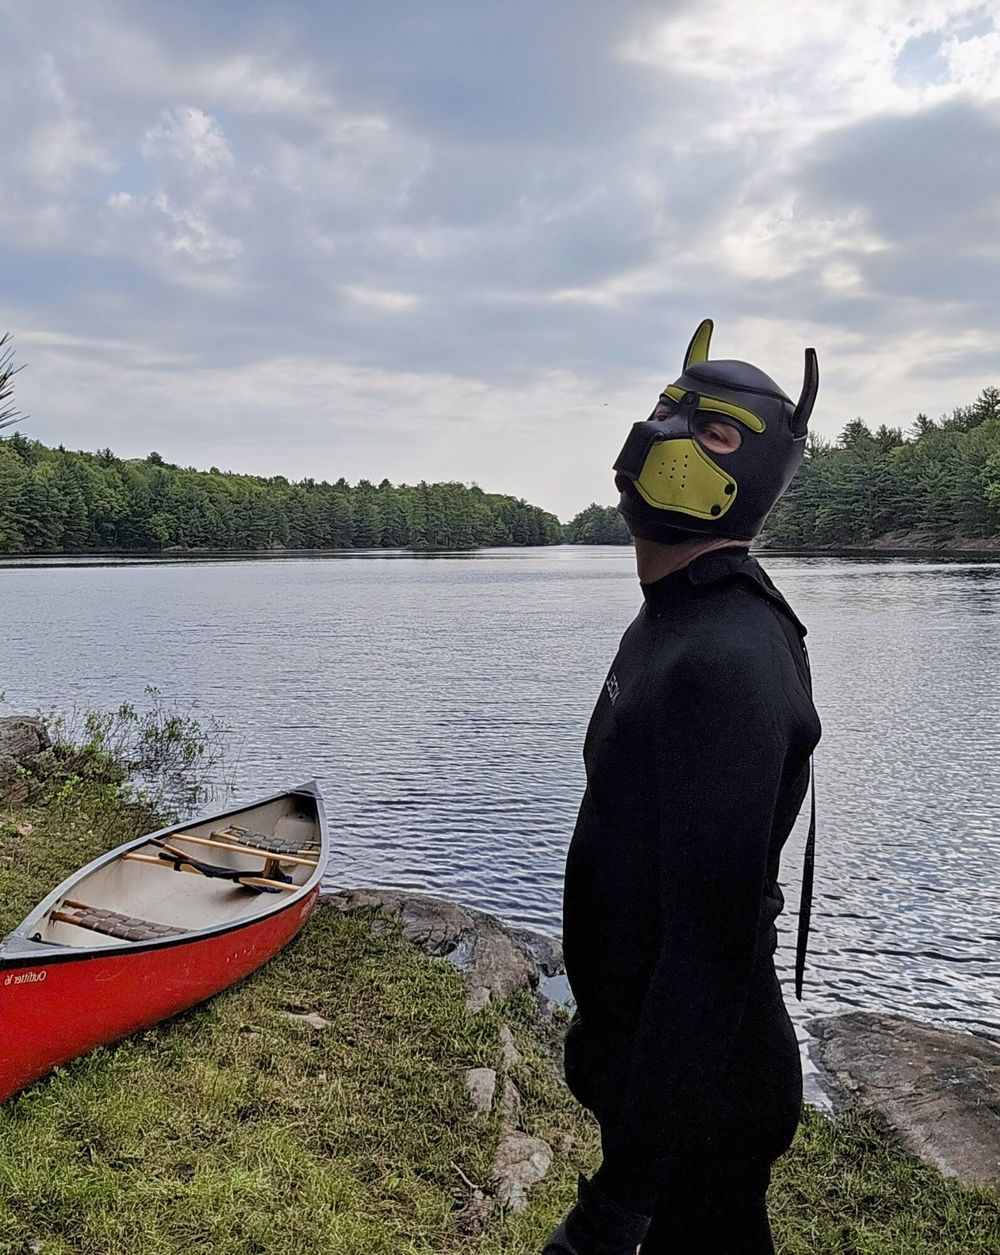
717 752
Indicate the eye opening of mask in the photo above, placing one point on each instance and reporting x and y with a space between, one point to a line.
663 409
716 435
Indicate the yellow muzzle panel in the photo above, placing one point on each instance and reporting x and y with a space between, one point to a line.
678 475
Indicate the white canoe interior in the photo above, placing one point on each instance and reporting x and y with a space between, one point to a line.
146 893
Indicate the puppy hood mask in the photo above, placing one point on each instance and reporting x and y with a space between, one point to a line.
673 487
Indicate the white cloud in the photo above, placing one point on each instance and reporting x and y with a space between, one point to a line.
390 302
176 232
258 86
796 69
190 137
62 143
339 216
57 154
771 237
974 63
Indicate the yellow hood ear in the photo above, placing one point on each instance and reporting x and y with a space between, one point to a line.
697 350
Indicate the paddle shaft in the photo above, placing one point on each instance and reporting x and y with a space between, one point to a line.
135 857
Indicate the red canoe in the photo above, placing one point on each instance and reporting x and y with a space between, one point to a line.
131 939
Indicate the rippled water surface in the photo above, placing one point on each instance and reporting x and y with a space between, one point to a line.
442 703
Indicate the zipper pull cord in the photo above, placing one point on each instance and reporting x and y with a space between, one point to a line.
808 865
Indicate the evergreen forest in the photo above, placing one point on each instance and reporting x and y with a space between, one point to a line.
597 525
57 501
939 483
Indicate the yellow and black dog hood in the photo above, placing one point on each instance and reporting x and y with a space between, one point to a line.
672 487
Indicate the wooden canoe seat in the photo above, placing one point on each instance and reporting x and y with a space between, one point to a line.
273 843
111 923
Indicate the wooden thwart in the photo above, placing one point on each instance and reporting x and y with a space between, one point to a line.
134 857
233 848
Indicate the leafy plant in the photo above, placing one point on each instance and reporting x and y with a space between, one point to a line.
171 760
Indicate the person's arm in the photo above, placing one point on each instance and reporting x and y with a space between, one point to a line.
718 753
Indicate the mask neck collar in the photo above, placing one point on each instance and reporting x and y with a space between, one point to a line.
655 561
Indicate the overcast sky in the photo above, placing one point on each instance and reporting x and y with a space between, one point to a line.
454 240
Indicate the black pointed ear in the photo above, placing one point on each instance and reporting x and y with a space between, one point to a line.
810 386
697 350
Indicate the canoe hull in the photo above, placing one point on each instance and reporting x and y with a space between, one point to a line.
59 1008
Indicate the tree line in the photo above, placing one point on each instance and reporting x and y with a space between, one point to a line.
597 525
938 482
58 501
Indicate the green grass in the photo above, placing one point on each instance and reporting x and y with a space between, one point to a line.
234 1129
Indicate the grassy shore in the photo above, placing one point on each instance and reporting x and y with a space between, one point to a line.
238 1128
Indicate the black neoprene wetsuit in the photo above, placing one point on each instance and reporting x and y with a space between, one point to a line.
697 761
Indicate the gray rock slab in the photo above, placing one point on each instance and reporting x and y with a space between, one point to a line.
481 1084
308 1019
510 1056
493 960
521 1161
545 950
21 738
938 1089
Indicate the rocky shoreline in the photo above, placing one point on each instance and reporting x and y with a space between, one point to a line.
936 1089
495 961
22 741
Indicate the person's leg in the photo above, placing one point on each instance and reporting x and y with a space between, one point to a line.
715 1210
716 1205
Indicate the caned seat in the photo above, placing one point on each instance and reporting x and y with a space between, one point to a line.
298 841
113 924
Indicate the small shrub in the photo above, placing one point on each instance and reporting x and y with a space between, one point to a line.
169 760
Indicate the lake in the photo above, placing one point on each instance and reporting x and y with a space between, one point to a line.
442 700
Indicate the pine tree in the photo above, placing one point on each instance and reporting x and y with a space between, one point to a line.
395 528
13 483
597 525
367 516
986 407
8 412
42 526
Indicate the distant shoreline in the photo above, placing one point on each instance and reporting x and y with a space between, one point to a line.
897 546
779 551
99 556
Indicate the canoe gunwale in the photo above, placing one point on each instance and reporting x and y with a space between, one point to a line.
43 954
17 949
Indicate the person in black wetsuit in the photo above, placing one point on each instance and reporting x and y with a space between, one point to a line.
697 759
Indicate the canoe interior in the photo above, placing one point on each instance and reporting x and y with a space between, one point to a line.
187 901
